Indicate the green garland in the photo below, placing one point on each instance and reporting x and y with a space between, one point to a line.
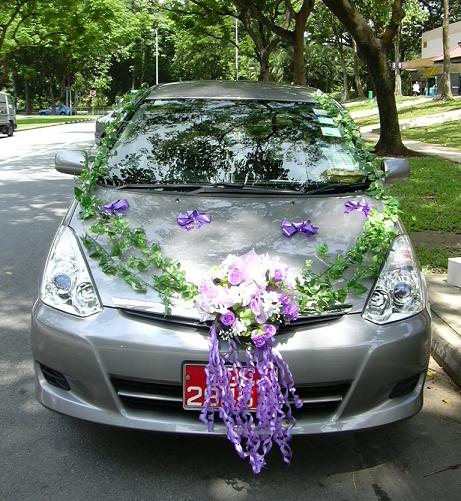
128 253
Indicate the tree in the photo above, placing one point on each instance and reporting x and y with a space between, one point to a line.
445 92
291 30
374 46
207 18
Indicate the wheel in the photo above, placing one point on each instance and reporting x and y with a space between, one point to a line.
62 113
10 130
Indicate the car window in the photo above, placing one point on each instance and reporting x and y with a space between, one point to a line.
269 143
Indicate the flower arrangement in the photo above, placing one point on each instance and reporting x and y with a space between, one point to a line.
248 298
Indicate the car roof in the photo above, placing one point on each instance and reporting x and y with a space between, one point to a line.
222 89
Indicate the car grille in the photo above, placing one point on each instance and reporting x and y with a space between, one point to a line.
314 318
142 395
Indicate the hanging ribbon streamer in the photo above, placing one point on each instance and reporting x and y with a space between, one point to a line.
252 435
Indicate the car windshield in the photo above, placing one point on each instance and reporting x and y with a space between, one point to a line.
288 145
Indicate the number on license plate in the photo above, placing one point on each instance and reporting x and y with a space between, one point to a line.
194 386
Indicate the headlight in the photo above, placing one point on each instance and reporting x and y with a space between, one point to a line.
66 283
399 291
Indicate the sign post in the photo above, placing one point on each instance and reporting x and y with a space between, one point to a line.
92 95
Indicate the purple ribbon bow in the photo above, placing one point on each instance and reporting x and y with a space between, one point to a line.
357 205
115 208
289 228
193 219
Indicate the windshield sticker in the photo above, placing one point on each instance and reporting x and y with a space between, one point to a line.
330 131
326 121
338 158
319 112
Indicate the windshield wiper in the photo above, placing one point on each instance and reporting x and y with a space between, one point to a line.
238 188
335 188
158 186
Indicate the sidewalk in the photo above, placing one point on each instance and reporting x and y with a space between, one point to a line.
434 150
446 325
412 123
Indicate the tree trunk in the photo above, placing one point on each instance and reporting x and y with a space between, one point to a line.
27 104
298 54
345 94
398 78
445 92
373 49
264 68
390 141
356 61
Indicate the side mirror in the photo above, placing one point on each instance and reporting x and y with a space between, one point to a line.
69 162
396 170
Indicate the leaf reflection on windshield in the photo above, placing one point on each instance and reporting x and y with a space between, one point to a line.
249 142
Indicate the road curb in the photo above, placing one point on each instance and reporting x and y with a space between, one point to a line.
446 347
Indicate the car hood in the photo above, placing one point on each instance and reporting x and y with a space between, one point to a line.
240 223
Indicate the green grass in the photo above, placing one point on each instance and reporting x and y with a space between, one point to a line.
361 105
431 200
435 260
45 121
419 110
446 134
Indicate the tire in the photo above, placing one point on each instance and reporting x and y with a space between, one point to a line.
62 113
10 130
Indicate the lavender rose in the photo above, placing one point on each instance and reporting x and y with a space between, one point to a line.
259 340
228 318
235 276
269 330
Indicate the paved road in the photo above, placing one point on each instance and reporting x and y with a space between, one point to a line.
45 456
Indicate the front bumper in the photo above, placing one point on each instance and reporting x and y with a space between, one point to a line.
362 360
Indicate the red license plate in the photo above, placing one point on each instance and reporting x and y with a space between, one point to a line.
194 385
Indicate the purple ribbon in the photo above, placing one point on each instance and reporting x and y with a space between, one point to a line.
357 205
193 219
115 208
289 228
251 435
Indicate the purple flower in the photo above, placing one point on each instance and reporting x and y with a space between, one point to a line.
357 205
255 305
259 340
278 275
291 311
228 318
269 330
115 208
284 299
235 276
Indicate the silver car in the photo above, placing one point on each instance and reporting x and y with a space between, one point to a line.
108 354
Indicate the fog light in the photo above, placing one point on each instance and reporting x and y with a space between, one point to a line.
404 387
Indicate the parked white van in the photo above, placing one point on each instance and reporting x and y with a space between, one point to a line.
7 114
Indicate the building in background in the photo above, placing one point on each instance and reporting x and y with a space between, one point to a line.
429 68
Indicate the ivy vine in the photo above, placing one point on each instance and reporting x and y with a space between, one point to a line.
126 252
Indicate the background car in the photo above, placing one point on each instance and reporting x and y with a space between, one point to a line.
251 155
60 110
8 122
101 124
